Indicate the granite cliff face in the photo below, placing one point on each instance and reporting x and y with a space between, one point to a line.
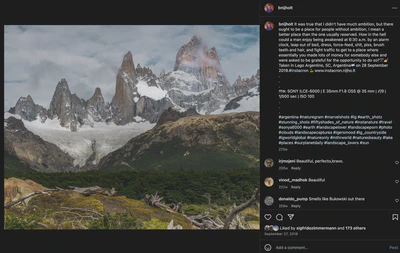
180 88
145 74
198 79
28 110
196 59
78 106
251 82
124 97
97 108
73 112
61 106
130 102
151 109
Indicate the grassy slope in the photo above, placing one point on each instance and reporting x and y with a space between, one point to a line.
171 155
51 210
234 139
54 211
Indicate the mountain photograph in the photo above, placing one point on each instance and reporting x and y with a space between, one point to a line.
95 139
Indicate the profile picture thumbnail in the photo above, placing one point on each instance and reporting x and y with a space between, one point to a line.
269 26
268 163
268 8
269 201
268 228
275 227
269 181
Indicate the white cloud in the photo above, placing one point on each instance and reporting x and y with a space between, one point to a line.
36 58
243 63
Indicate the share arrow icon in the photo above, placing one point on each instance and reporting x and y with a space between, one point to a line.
290 215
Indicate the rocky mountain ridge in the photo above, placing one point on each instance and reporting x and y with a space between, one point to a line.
32 150
197 81
201 141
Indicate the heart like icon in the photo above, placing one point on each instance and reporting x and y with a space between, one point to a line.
267 216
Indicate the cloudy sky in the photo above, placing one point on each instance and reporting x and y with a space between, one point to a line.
37 57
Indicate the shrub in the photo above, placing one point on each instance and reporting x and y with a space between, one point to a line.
15 222
155 223
114 221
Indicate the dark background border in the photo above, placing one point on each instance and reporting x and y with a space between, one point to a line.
142 12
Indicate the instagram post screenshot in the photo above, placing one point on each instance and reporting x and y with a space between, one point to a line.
255 126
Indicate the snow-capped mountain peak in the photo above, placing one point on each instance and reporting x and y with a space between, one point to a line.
89 129
195 58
